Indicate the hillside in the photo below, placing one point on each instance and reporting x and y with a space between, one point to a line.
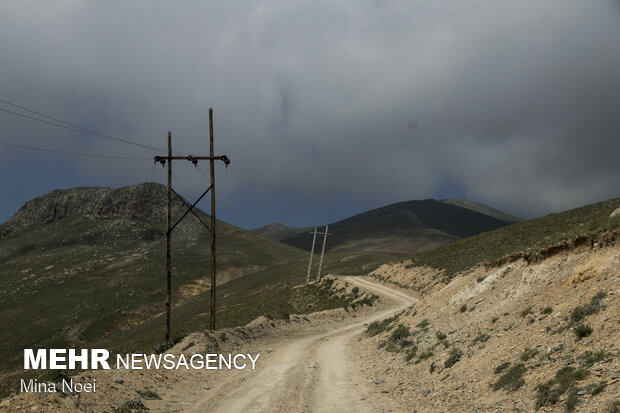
83 263
537 330
483 209
278 231
527 236
405 227
519 336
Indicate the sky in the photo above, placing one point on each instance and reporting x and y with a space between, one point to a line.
326 109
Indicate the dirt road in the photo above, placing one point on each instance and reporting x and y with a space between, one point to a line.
299 373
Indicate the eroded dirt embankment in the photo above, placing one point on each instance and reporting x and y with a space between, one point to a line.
526 332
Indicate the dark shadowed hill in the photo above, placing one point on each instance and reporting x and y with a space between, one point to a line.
403 227
483 209
278 231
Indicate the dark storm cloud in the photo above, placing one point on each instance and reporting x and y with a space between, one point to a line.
324 105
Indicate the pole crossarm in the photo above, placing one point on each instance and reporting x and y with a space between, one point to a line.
191 209
193 159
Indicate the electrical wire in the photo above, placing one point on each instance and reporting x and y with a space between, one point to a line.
221 198
260 218
90 155
73 126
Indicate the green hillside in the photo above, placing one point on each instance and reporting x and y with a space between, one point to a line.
80 277
86 267
529 235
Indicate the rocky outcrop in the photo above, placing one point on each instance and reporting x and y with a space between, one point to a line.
146 202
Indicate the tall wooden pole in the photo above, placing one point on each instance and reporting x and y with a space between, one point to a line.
212 165
168 235
318 274
311 254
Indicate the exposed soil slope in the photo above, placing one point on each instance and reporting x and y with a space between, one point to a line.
514 336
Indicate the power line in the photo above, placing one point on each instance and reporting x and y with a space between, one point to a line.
70 126
90 155
228 208
247 197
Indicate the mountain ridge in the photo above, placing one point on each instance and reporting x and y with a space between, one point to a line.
408 226
145 202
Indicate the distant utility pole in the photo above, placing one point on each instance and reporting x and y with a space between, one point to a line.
318 275
193 159
311 254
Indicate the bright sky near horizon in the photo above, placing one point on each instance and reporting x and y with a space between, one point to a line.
326 109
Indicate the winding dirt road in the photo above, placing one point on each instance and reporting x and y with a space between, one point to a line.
301 373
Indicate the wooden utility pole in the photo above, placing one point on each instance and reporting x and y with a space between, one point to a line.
168 236
212 166
311 254
318 274
170 228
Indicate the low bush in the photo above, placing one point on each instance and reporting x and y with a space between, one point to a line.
528 354
549 393
455 356
377 327
501 367
512 379
582 330
481 338
526 311
593 307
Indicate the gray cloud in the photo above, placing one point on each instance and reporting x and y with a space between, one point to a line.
333 107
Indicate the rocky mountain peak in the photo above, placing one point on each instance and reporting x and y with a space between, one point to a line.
145 201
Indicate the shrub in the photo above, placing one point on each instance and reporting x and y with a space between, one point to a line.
494 320
613 407
355 290
528 354
513 378
133 405
426 354
377 327
595 389
411 352
455 356
399 333
582 330
589 358
148 394
571 401
548 394
423 324
481 338
440 335
527 310
463 308
547 310
501 367
593 307
223 337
